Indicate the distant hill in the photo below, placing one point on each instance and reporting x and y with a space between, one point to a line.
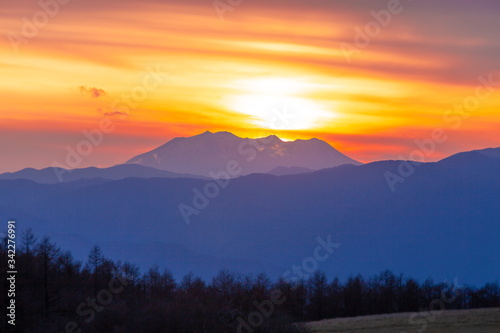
443 220
211 152
287 171
56 175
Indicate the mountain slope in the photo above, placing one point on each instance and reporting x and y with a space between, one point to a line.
211 152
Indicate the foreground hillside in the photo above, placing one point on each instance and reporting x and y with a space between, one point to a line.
456 321
53 289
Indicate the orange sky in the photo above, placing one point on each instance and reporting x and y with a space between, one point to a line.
243 73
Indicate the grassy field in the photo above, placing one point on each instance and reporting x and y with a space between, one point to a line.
462 321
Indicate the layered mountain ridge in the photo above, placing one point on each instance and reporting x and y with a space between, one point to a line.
442 221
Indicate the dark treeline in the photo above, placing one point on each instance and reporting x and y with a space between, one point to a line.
56 293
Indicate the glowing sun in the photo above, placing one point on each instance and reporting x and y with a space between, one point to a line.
278 104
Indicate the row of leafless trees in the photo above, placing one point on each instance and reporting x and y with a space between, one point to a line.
56 293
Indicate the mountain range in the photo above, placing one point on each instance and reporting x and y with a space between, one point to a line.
205 156
442 221
54 175
211 152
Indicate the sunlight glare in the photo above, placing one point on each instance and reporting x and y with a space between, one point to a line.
276 103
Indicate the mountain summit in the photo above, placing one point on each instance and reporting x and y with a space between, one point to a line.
211 152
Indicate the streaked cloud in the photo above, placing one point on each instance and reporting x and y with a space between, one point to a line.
427 59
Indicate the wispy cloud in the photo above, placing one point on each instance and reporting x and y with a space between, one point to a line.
92 92
116 114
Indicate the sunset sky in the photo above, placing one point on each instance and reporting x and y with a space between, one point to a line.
240 68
